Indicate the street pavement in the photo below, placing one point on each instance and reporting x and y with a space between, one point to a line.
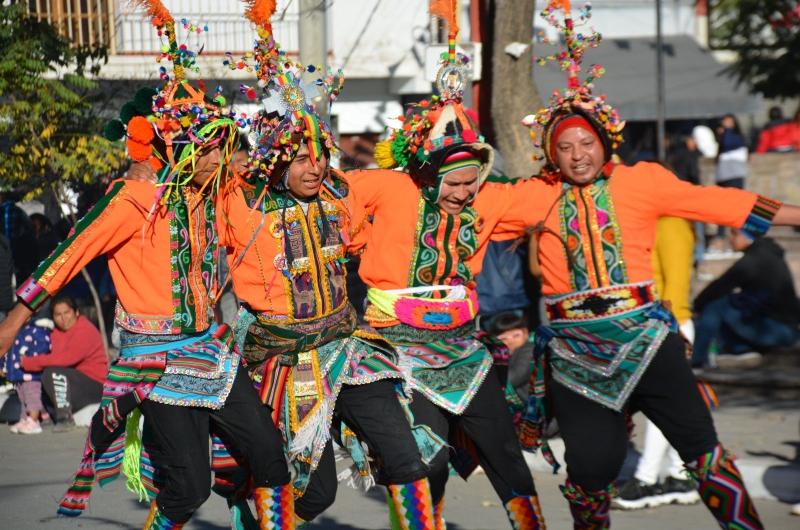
36 469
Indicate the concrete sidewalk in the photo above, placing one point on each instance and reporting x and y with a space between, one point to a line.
763 434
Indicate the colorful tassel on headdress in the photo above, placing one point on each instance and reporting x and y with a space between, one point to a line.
260 12
447 10
157 11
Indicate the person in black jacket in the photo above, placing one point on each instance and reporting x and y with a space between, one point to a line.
752 306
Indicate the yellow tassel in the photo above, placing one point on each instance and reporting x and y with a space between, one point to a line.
383 155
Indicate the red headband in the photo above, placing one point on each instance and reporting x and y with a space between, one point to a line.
567 123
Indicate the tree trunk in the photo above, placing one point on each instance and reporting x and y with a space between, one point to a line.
511 91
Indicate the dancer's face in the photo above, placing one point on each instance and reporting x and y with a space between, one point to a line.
207 165
304 178
579 155
457 189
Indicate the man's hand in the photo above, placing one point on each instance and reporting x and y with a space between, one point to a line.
11 325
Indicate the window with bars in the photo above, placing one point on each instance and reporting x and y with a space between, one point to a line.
84 22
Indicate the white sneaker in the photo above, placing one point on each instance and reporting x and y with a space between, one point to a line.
743 361
15 428
795 509
30 427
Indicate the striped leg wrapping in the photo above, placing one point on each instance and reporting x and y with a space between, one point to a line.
722 489
525 513
590 510
275 507
158 521
412 504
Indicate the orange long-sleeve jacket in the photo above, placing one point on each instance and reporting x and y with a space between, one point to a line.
607 228
164 283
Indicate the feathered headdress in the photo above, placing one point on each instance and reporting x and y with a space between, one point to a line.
168 127
577 97
434 128
288 116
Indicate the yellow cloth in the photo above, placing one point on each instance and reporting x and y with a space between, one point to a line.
672 264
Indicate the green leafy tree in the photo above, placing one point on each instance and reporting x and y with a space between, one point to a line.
766 36
49 130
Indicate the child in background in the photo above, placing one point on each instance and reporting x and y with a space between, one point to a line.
32 340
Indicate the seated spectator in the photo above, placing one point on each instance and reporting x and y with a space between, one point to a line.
32 340
74 372
752 306
778 135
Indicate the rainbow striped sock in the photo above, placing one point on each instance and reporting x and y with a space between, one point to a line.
438 515
158 521
412 504
525 513
275 507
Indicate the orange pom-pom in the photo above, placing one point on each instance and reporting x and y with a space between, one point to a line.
138 151
140 130
155 163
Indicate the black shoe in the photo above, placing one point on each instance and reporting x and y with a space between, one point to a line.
680 491
635 495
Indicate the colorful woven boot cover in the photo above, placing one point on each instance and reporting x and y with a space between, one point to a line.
525 513
721 487
590 510
438 515
275 507
411 506
158 521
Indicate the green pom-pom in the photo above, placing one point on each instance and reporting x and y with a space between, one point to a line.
220 100
400 150
114 130
144 100
127 112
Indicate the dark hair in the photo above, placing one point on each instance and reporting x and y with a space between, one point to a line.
736 128
775 113
507 320
63 299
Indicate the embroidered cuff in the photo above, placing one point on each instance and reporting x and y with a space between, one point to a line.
32 294
760 218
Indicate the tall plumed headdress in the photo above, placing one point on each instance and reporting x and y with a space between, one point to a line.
576 98
170 126
433 129
288 116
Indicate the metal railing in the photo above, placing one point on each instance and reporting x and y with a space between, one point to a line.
84 22
228 30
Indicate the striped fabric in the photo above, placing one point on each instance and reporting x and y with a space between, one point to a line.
760 218
131 379
723 491
590 510
438 515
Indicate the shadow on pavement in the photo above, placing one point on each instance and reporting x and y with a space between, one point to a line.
58 521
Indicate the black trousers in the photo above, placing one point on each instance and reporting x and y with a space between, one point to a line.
177 438
596 437
486 421
374 413
69 390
